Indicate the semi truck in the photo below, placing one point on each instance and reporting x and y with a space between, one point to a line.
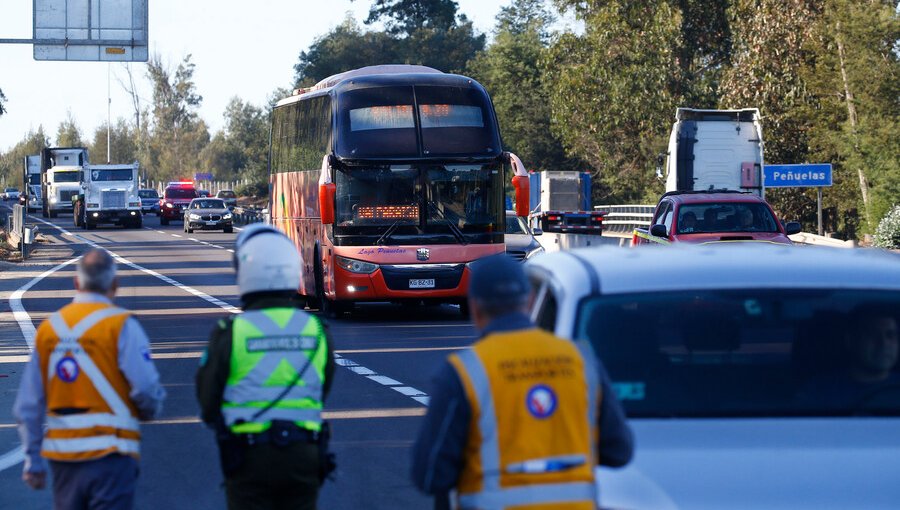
32 188
714 150
110 195
62 170
560 203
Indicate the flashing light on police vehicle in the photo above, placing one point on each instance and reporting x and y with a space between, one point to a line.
92 205
356 266
134 204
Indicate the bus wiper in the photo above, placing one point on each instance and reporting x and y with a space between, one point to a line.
457 233
387 233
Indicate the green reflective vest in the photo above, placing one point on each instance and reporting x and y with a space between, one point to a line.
268 349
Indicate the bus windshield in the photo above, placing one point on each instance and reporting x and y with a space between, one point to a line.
435 203
397 122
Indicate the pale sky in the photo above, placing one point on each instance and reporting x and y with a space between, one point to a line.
244 49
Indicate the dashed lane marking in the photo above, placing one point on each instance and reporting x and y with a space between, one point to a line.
417 395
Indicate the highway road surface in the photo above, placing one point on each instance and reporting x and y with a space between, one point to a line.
178 285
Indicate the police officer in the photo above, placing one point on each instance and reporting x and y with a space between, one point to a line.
91 376
522 417
263 379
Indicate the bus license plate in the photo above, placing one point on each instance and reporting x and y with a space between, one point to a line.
422 284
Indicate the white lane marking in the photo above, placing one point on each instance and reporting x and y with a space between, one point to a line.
405 349
383 379
18 310
362 370
230 251
175 235
20 358
12 457
408 391
166 279
160 231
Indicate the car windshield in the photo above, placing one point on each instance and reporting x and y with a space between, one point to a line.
514 225
181 193
749 352
209 204
225 194
112 174
725 217
148 193
453 202
65 176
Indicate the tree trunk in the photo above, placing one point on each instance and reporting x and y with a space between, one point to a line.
851 113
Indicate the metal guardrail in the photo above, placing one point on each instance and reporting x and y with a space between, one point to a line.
625 218
248 215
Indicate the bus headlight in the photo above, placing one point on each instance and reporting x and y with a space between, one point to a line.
356 266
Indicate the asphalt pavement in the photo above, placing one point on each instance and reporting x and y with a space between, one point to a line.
178 285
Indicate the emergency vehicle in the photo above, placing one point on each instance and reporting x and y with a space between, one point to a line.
176 198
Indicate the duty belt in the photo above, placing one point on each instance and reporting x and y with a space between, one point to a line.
281 433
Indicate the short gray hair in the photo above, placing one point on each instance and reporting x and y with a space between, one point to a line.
96 272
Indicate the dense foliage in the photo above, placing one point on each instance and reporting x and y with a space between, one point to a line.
887 235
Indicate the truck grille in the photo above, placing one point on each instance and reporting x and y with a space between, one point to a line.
112 199
65 196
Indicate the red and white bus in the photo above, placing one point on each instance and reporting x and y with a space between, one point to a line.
390 180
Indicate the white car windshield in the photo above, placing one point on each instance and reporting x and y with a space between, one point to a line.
749 352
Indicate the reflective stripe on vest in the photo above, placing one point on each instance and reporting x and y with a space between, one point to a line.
265 357
121 417
492 495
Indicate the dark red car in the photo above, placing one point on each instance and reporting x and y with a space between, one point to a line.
720 216
176 198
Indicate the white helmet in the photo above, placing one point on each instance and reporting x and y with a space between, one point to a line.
265 260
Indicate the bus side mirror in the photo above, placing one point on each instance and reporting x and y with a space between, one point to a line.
523 195
326 202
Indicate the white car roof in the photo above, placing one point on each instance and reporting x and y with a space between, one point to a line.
613 270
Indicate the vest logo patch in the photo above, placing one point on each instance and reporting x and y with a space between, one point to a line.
281 343
541 401
67 369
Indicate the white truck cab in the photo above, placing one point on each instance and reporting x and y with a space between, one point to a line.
61 174
110 195
714 150
32 189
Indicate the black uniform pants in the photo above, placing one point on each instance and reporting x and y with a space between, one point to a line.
275 478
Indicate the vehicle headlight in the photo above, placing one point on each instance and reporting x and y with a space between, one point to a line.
169 205
356 266
52 200
194 216
227 216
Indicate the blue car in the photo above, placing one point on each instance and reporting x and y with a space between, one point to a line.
149 201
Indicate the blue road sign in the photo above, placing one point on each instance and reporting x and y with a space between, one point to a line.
203 176
797 176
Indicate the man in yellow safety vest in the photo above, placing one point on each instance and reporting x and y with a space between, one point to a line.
91 378
520 419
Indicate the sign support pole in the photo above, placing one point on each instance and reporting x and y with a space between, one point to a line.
819 209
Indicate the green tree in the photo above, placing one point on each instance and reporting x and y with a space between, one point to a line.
613 92
178 134
240 150
12 162
123 143
2 102
855 79
68 134
342 49
510 70
770 51
410 16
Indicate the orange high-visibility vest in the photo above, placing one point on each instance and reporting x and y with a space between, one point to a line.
89 412
531 441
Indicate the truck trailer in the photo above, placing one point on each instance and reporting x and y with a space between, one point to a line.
62 170
714 150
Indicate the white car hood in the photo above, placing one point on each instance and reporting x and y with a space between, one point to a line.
837 463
